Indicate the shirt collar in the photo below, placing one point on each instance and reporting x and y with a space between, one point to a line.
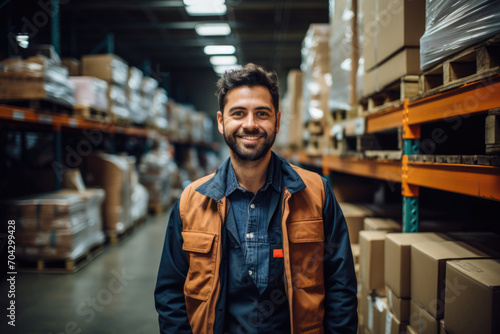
272 178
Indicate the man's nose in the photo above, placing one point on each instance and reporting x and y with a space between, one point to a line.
250 122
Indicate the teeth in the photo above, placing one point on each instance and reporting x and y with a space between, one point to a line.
250 138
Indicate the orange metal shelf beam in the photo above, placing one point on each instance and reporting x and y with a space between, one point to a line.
468 99
480 181
388 170
388 119
305 159
31 116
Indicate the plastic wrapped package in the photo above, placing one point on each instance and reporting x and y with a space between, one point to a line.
344 56
184 121
173 117
140 200
316 67
134 98
112 173
90 92
35 78
51 225
118 102
158 115
451 26
108 67
156 173
148 88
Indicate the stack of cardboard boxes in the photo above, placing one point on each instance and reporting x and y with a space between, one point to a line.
425 282
113 174
391 39
148 88
133 93
114 71
56 226
317 80
36 78
293 110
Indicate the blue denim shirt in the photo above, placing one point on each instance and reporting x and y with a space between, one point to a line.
252 213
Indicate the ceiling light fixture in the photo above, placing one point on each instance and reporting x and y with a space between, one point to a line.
223 60
205 7
219 49
213 29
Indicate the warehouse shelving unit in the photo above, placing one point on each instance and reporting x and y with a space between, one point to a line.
474 180
31 119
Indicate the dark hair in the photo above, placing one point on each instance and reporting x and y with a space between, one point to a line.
250 75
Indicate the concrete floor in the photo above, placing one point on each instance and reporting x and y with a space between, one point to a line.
112 294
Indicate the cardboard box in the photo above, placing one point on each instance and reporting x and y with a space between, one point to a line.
428 271
354 215
397 253
399 307
442 329
370 34
370 81
393 325
363 304
381 224
472 303
421 321
372 259
405 62
411 330
73 66
401 24
377 309
108 67
355 252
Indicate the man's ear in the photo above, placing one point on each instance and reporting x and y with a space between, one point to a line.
278 121
220 124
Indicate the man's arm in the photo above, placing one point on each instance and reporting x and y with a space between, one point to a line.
169 292
340 279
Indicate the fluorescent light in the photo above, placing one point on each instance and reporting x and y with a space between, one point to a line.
206 8
223 68
213 29
223 60
202 2
219 49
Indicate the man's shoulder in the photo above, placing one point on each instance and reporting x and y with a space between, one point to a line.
308 176
195 184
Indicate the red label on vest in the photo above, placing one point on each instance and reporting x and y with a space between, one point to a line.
278 252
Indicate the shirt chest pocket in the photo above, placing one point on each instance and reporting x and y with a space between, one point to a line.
201 249
306 252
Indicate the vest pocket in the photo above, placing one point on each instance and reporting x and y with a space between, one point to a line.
201 251
306 252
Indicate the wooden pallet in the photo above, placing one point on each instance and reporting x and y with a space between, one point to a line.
93 114
390 96
483 160
59 266
492 132
120 120
44 105
475 63
385 145
115 237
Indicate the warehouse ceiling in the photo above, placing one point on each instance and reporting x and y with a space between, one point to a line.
160 35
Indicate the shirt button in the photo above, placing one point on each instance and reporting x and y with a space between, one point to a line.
249 235
252 206
250 272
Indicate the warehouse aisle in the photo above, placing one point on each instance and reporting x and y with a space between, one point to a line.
113 294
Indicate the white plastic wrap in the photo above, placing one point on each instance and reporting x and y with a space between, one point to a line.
90 92
118 102
158 114
344 56
451 26
35 78
316 67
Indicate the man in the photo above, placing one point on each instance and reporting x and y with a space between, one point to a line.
260 246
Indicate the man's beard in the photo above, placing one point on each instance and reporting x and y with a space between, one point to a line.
253 152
